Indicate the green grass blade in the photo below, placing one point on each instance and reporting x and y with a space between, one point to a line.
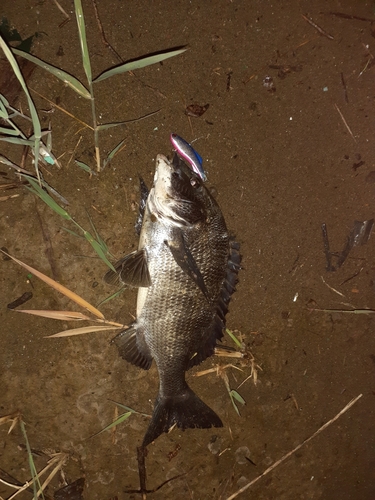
84 167
234 404
68 79
20 142
138 63
100 240
36 189
98 249
3 110
9 131
112 153
118 421
234 338
111 297
72 232
129 409
82 39
34 474
106 126
4 101
237 397
4 159
34 114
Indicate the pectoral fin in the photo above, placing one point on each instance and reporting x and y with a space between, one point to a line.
130 270
186 261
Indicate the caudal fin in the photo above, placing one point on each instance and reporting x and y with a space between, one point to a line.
185 410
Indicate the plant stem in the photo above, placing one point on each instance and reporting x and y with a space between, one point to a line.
95 126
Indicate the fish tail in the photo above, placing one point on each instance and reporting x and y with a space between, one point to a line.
185 410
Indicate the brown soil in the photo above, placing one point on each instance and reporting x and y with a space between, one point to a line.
283 162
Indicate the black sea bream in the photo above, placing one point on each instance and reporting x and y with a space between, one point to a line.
186 269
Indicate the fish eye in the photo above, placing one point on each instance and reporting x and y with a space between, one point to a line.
194 182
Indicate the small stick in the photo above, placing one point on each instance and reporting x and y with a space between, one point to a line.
74 150
351 277
333 289
105 41
318 28
62 10
62 109
49 248
345 123
347 16
273 466
352 311
327 251
345 89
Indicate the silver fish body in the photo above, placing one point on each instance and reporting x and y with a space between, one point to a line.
186 268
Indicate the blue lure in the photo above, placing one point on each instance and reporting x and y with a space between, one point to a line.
185 150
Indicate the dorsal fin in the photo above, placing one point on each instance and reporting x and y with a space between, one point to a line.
218 323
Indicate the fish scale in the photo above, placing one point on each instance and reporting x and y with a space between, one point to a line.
186 269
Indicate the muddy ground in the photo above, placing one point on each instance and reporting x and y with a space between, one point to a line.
283 162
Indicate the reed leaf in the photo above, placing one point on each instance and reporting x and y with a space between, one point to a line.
82 39
60 288
234 338
34 114
20 142
98 249
138 64
36 189
9 131
68 79
34 472
84 167
82 331
106 126
113 152
118 421
3 110
61 315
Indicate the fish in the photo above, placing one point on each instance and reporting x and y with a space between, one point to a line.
185 268
188 153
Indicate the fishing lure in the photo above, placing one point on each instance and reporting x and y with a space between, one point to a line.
186 151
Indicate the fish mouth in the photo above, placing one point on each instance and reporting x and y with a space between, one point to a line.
173 197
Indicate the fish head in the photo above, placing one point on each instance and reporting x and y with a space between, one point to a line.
178 195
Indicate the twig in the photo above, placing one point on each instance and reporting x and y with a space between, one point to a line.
351 277
331 288
318 28
104 40
327 251
273 466
49 248
348 16
345 89
345 123
62 10
350 311
61 109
